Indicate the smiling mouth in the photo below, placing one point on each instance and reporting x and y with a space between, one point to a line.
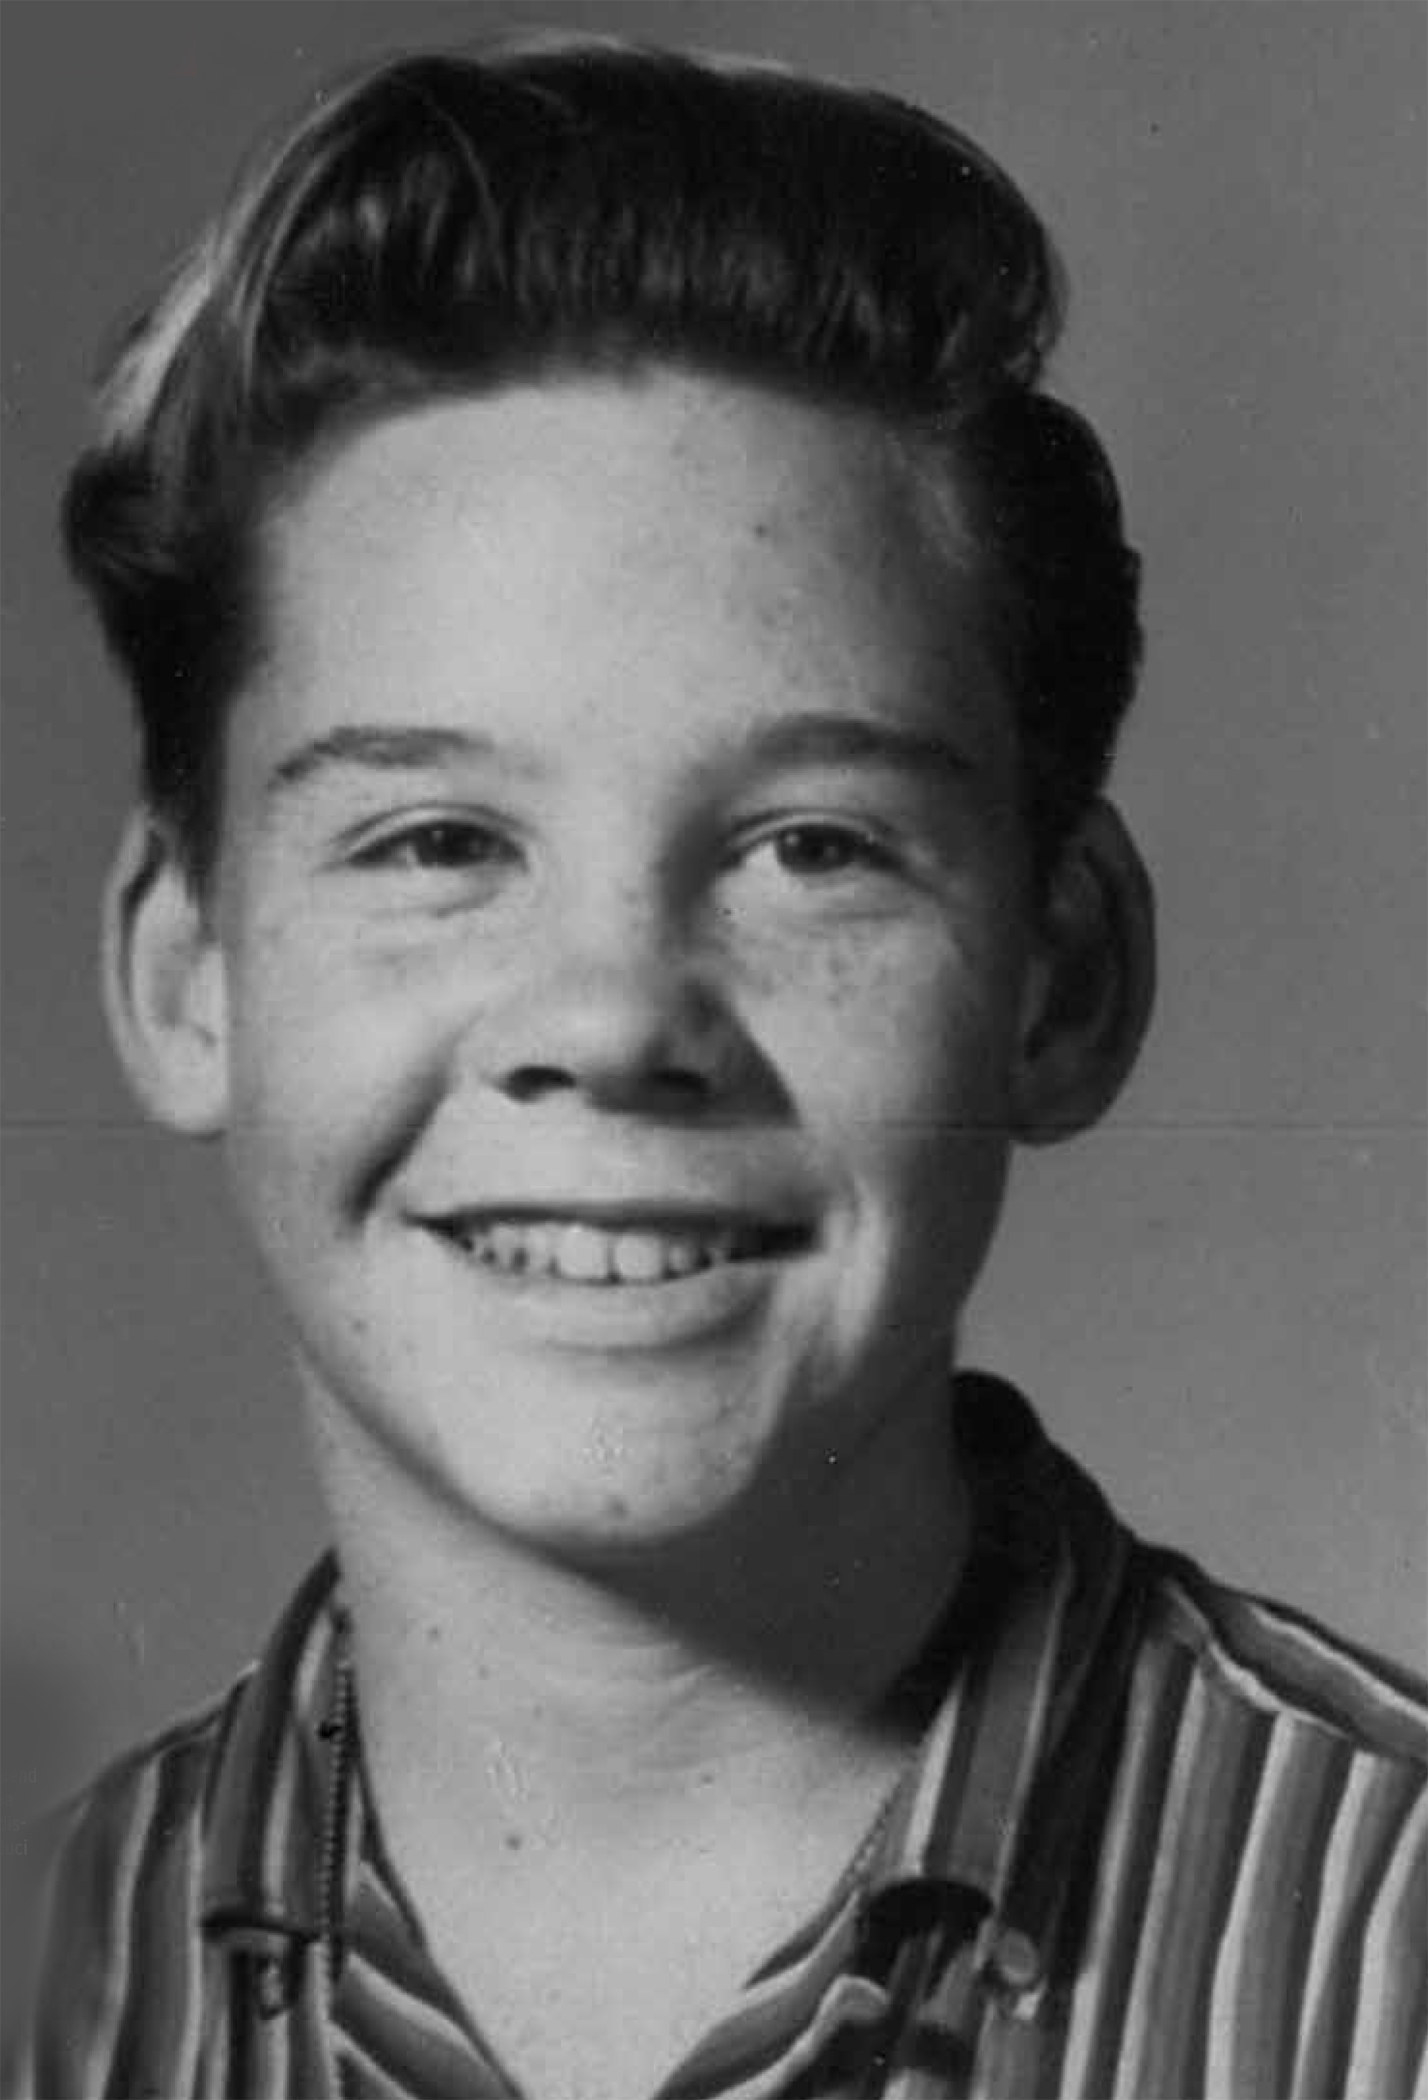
579 1250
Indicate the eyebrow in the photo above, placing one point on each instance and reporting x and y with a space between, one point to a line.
806 739
839 739
379 748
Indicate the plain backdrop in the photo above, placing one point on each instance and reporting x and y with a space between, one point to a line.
1217 1301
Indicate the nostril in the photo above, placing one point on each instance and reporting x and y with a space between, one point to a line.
530 1082
682 1084
669 1086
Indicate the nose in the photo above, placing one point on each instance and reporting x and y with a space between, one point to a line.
624 1016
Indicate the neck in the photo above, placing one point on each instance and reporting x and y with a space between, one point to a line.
510 1685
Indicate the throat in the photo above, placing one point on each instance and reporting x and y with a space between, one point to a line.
596 1959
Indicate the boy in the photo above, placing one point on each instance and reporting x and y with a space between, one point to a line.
628 660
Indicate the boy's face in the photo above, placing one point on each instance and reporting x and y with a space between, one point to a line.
621 919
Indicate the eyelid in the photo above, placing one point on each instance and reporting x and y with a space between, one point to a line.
876 837
370 836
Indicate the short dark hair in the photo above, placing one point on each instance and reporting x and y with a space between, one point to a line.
453 220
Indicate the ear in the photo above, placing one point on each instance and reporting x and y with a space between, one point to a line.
165 992
1090 986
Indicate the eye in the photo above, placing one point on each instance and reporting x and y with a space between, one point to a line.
436 844
814 849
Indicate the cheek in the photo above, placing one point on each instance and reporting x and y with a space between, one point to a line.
902 1081
895 1027
334 1061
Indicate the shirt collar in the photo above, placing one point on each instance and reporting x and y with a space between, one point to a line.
275 1804
1033 1659
1029 1664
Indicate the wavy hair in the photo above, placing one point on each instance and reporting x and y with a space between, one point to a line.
453 221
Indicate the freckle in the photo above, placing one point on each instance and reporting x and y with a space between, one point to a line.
616 1506
514 1841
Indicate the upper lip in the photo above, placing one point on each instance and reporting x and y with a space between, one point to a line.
658 1214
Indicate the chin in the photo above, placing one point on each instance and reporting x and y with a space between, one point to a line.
601 1464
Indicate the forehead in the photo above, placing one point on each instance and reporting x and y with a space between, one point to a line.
716 548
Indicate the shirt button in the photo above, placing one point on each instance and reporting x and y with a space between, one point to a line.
1016 1959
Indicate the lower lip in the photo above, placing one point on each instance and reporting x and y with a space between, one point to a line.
664 1314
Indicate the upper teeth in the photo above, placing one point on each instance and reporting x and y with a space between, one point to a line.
585 1253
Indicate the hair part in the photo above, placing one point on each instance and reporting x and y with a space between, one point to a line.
454 222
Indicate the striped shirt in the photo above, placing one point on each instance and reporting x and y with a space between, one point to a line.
1160 1840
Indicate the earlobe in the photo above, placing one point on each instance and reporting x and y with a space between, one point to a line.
165 991
1090 986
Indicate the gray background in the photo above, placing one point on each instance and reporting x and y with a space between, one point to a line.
1218 1299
